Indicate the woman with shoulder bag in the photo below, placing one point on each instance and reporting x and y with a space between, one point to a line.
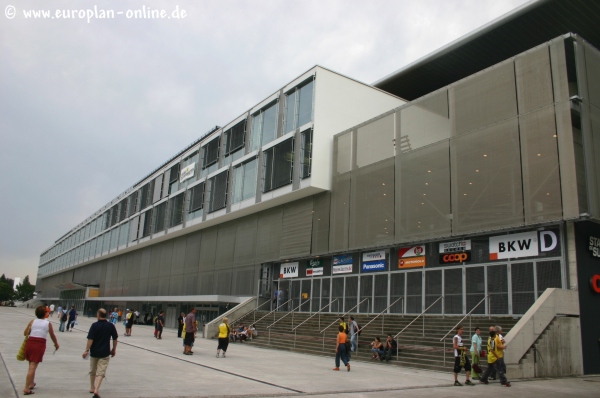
35 347
341 351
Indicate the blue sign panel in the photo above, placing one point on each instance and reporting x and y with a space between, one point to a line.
342 260
374 266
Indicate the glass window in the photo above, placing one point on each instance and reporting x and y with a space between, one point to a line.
114 238
196 201
264 126
159 219
218 192
210 153
147 223
189 170
299 107
174 178
244 181
235 138
256 128
278 163
176 210
290 111
123 234
106 242
306 155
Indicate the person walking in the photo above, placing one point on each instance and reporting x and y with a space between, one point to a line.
35 347
354 329
98 348
120 312
114 317
496 347
460 358
63 319
72 318
59 312
190 332
51 309
180 324
223 337
341 351
160 324
475 353
128 322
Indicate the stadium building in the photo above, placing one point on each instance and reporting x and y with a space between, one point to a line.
470 175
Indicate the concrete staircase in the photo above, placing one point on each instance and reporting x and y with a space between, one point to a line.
419 346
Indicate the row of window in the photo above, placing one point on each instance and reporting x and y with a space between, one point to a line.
210 195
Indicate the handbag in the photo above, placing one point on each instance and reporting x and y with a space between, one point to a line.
21 353
483 354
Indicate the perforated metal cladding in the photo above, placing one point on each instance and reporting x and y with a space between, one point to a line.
190 283
414 291
534 79
223 281
235 137
210 152
174 172
192 252
282 156
146 193
486 179
197 197
340 213
158 183
375 141
366 291
206 283
147 223
122 210
218 191
243 278
541 174
558 61
176 210
245 240
548 275
497 281
433 290
592 64
175 285
268 237
484 98
160 216
208 249
372 205
225 245
132 208
595 161
342 153
296 229
423 122
475 280
114 215
453 287
320 223
424 193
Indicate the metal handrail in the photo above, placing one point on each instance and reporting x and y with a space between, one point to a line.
418 316
463 318
289 312
273 311
254 310
344 314
316 313
376 316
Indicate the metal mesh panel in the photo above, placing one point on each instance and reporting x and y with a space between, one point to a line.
315 304
190 282
541 175
351 293
155 260
548 275
558 61
174 172
157 188
245 240
114 218
223 281
337 292
306 154
210 153
568 161
320 223
192 253
206 283
424 192
208 249
594 158
225 244
122 210
342 153
366 291
424 122
176 210
147 216
484 98
497 282
486 179
218 191
475 279
269 234
235 137
372 205
283 160
453 288
414 290
175 285
534 79
433 291
340 213
243 281
160 215
297 228
381 293
375 141
523 295
178 256
592 64
197 197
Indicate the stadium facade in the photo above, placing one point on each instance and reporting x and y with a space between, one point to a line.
461 176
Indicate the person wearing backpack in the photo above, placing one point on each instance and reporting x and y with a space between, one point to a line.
63 319
354 333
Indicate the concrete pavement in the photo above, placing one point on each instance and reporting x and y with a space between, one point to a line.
146 367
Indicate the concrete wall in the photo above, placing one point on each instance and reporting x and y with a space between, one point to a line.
211 329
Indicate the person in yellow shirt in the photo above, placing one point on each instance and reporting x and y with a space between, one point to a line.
496 347
223 337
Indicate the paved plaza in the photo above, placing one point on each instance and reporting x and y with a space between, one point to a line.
146 367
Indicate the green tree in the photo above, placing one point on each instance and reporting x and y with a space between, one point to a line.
25 290
7 292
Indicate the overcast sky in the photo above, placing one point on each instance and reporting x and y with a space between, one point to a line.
89 108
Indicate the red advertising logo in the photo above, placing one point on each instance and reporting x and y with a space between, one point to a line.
595 283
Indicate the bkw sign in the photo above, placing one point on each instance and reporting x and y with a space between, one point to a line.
526 244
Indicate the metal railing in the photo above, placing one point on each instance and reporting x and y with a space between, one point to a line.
290 312
469 314
346 313
273 311
382 314
310 317
413 321
246 314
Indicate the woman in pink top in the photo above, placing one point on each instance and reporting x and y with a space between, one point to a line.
37 330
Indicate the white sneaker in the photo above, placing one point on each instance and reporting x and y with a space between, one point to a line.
217 355
223 355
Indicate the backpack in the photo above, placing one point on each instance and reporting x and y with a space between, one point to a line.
358 328
64 317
